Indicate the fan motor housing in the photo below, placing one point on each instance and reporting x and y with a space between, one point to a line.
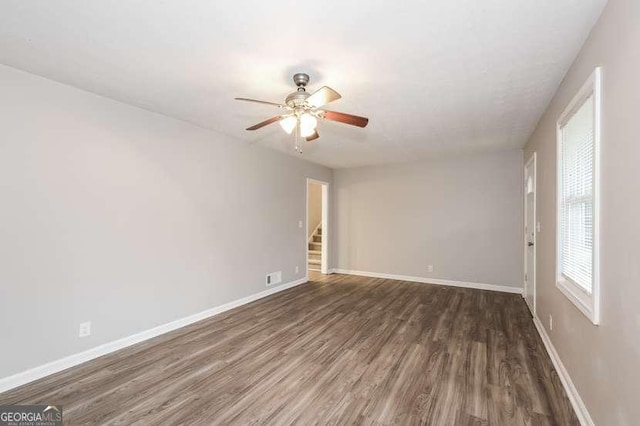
296 99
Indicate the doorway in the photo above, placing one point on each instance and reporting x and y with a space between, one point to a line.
530 230
317 230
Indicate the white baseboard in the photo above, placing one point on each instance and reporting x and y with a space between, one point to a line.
572 392
425 280
56 366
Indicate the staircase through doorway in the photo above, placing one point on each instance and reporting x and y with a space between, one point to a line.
315 249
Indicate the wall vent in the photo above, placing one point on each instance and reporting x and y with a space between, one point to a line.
274 278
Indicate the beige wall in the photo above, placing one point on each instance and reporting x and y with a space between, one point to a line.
129 219
315 207
463 216
603 361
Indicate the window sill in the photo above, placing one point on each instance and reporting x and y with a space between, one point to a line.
582 300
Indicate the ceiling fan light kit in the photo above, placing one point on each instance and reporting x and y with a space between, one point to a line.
289 123
303 111
308 125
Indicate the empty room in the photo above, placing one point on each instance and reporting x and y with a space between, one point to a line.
335 213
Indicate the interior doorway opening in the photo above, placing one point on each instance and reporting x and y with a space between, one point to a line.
317 231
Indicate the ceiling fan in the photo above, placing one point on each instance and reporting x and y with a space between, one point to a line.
302 110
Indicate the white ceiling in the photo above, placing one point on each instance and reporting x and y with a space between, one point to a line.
435 77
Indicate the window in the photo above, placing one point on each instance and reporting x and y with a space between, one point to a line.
578 133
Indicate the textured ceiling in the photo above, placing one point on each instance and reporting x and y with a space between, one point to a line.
434 77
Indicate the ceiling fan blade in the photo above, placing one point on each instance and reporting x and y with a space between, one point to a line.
353 120
313 137
265 123
262 102
322 96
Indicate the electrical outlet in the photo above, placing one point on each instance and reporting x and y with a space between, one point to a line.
297 269
430 268
550 323
299 224
85 329
538 227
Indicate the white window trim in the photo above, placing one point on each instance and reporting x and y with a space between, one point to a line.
588 304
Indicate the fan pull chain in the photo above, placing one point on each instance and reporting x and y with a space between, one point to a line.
297 147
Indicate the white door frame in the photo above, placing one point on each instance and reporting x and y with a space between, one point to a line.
530 276
324 255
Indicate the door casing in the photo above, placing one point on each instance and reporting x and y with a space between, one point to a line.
530 234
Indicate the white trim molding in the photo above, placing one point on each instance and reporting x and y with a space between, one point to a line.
572 393
436 281
530 273
56 366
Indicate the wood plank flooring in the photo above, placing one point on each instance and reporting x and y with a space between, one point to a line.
338 350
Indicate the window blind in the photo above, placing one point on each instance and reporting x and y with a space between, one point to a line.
576 201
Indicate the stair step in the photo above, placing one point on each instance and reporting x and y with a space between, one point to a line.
315 245
317 238
318 252
314 262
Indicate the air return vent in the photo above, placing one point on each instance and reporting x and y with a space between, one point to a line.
274 278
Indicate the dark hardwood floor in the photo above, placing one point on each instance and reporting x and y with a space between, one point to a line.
339 350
